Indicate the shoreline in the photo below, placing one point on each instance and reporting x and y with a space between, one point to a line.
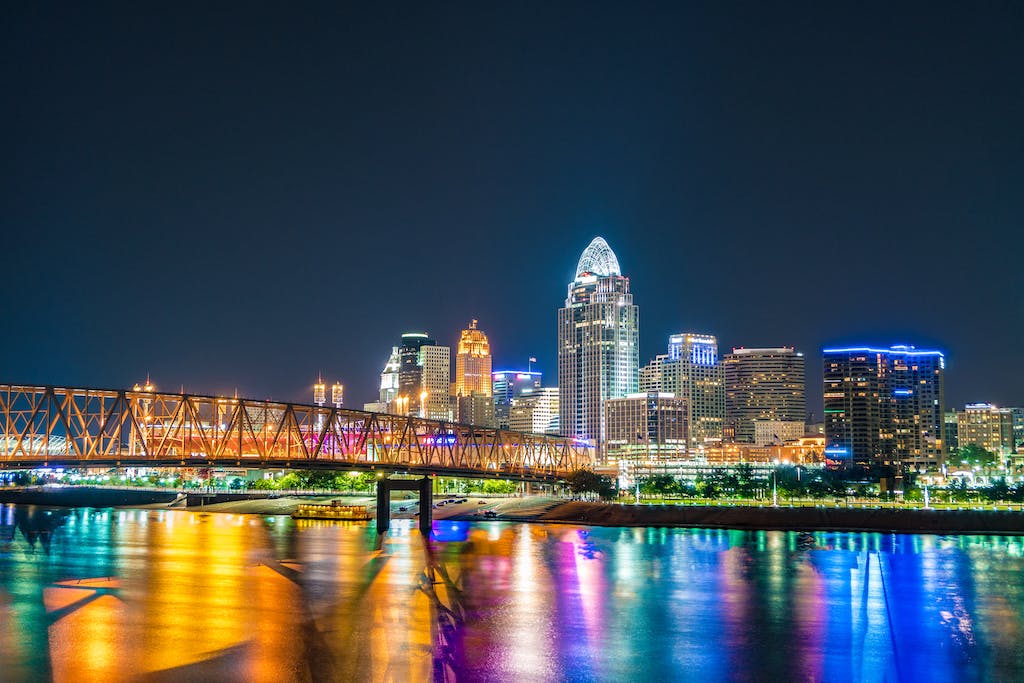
559 511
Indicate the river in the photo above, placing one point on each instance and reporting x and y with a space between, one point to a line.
161 595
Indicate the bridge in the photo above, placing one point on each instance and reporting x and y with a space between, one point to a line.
50 426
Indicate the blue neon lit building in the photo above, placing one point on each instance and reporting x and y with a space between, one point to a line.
693 371
507 385
885 407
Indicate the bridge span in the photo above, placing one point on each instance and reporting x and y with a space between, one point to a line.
84 427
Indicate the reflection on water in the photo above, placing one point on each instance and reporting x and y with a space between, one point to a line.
111 595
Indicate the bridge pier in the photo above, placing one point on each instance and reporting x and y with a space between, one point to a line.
384 488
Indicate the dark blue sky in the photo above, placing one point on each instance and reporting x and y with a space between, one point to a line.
240 195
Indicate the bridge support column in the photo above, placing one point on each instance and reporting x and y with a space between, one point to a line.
384 488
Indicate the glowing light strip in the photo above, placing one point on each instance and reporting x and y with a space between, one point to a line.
895 350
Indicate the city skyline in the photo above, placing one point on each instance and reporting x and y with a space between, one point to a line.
766 183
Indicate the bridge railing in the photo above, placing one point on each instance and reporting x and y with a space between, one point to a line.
82 425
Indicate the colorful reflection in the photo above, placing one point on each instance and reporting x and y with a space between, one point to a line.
178 595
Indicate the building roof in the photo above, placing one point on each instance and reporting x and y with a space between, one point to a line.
598 259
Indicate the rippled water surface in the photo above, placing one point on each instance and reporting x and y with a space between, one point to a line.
111 595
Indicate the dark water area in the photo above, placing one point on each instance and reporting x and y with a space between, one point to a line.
154 595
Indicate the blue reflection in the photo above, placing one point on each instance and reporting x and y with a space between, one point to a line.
445 531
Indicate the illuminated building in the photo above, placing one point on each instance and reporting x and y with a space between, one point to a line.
642 427
598 340
777 431
473 363
472 390
765 386
985 425
435 400
536 411
692 371
388 385
807 450
424 378
506 385
885 407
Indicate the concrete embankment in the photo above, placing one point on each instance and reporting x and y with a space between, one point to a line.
800 518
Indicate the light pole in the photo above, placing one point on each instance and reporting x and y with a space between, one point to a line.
775 486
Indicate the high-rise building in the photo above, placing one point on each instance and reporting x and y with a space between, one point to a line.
506 385
765 385
389 378
985 425
598 343
424 378
473 363
536 411
692 371
885 407
951 425
645 427
475 410
1018 427
436 387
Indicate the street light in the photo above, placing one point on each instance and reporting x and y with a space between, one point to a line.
775 487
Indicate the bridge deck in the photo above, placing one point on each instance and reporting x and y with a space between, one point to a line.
73 426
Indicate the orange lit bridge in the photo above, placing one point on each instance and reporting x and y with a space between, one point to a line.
82 427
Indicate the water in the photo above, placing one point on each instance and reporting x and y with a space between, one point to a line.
111 595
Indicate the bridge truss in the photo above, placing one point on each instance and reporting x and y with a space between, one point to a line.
81 427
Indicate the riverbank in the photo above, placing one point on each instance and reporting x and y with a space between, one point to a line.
786 518
557 510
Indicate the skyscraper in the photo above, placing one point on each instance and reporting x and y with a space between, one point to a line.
506 385
473 401
388 385
598 343
885 407
473 363
767 386
692 371
424 377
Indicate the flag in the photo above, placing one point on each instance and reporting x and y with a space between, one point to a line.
532 359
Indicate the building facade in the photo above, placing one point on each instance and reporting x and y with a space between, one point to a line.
645 427
885 407
506 385
536 411
598 343
475 410
985 425
693 372
424 378
473 363
777 432
472 391
767 386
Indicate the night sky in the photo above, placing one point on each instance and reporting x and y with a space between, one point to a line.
237 196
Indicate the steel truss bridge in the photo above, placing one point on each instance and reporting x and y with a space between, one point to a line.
49 426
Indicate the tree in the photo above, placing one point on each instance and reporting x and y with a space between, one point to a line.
973 455
658 485
587 481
